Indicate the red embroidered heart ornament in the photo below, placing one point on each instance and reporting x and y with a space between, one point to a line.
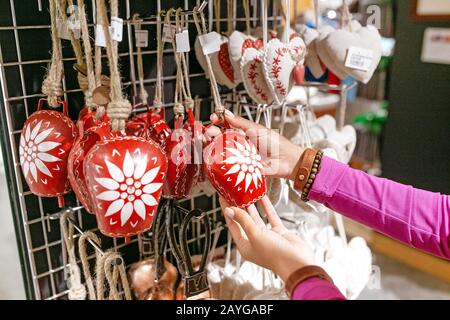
45 143
233 166
91 131
125 176
280 60
183 169
240 42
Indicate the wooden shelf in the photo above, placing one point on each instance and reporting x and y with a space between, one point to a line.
437 267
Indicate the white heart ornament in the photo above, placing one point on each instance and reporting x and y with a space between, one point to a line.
279 62
253 76
239 42
338 43
312 60
322 53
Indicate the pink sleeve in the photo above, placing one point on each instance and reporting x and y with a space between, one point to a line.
316 289
419 218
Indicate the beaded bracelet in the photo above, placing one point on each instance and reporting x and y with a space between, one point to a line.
312 175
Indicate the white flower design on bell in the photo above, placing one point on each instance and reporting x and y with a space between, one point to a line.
247 162
33 151
129 189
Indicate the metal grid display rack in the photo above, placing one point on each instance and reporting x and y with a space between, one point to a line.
24 55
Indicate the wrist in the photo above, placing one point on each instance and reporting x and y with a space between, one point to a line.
295 155
288 267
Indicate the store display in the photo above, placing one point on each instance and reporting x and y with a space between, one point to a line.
132 171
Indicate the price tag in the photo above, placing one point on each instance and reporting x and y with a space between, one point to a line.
100 40
62 29
116 28
210 42
167 33
182 40
359 58
141 37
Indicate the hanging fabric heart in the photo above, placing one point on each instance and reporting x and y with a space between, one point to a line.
280 60
45 143
233 166
239 43
253 77
88 136
363 44
124 176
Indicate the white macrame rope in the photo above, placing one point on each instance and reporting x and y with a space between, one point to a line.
52 86
157 101
77 291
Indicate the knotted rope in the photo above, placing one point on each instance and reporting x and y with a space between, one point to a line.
85 263
51 86
119 109
77 291
88 56
113 272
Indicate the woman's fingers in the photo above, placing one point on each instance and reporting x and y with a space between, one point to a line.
253 212
243 219
271 214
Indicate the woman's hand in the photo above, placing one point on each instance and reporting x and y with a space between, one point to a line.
276 248
279 154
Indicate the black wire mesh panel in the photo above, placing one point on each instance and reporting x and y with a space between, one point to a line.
25 45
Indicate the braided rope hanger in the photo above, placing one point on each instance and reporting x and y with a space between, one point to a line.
119 108
51 85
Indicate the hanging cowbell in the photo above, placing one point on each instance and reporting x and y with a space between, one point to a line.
90 132
184 168
124 176
45 143
233 166
149 125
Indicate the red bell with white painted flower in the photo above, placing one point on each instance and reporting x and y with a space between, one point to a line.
125 176
233 166
90 132
45 143
183 167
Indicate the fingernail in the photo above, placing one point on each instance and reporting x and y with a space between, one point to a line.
213 117
229 113
229 213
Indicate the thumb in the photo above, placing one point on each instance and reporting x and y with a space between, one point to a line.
243 219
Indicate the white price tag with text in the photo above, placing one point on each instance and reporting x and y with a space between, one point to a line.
116 28
100 40
182 40
210 42
167 33
64 30
359 58
141 37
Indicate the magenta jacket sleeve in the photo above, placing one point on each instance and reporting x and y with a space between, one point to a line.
420 219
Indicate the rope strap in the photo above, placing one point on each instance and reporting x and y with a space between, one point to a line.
51 86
